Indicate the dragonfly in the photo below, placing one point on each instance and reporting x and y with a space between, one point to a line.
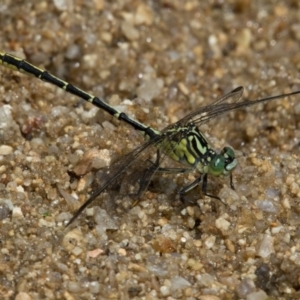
181 141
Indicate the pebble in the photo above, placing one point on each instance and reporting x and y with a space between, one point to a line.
209 297
143 15
259 295
72 239
246 287
130 31
150 89
222 224
178 283
63 5
17 213
95 253
210 241
267 206
23 296
265 247
165 291
4 211
5 150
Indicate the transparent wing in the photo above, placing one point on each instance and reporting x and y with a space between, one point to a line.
231 97
209 112
203 114
113 174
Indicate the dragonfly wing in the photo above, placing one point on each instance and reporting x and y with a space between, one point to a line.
115 171
231 97
220 107
202 115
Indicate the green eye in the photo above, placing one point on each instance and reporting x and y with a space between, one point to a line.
230 161
228 152
217 165
223 163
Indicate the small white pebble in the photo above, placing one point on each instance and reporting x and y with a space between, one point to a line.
90 211
17 213
4 251
165 290
205 279
179 283
23 296
265 247
265 205
259 295
209 297
276 229
122 252
5 150
210 241
130 31
242 242
94 287
190 210
222 224
143 15
45 223
77 251
74 287
77 261
191 222
138 256
286 203
60 4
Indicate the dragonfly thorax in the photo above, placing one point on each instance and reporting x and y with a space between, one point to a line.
190 147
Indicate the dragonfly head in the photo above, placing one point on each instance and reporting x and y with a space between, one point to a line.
223 163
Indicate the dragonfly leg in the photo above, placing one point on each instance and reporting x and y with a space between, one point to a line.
204 189
203 177
189 187
231 182
146 178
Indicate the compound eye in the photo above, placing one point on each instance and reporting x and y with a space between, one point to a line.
217 165
228 153
230 161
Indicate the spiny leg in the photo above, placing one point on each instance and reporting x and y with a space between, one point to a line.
204 190
154 168
203 177
231 182
146 177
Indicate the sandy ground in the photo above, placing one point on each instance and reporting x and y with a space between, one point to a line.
169 58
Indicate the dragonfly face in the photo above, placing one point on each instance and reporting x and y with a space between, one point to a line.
223 163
